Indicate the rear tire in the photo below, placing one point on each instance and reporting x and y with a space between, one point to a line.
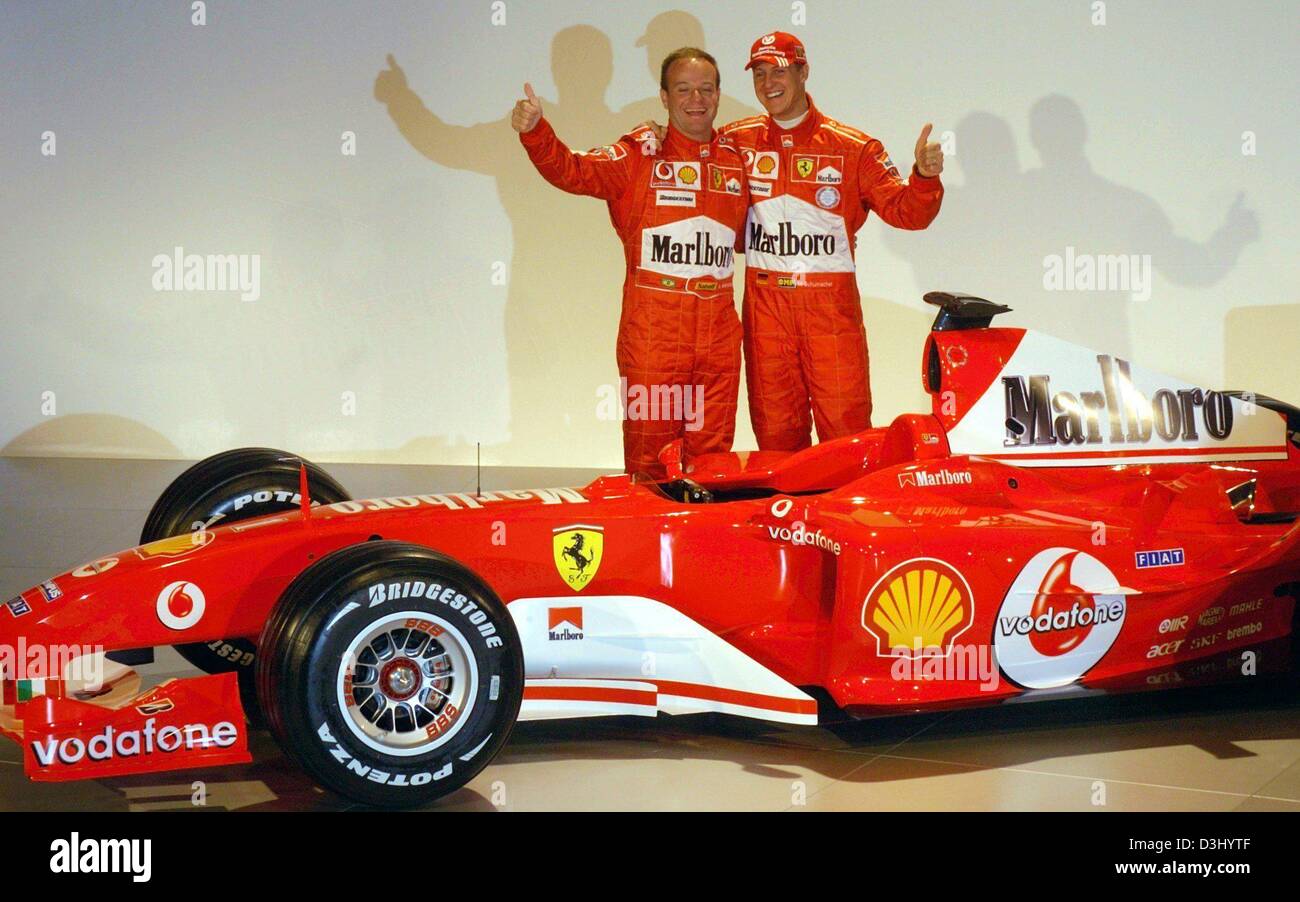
390 673
223 489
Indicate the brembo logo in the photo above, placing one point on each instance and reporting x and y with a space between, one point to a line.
1038 416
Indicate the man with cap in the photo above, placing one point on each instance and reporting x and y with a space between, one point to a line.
812 181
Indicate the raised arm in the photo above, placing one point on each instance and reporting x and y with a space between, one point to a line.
910 204
476 148
603 172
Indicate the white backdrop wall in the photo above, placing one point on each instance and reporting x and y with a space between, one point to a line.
429 291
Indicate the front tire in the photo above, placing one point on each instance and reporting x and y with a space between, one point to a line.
227 488
391 673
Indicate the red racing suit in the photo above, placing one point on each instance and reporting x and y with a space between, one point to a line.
677 209
805 346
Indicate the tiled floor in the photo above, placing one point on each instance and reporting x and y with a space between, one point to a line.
1214 749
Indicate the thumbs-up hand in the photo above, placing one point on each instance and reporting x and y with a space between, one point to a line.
390 82
929 155
527 112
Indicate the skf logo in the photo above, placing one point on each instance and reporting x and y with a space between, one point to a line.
918 609
564 624
176 545
578 550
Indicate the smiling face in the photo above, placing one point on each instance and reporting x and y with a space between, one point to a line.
691 97
780 89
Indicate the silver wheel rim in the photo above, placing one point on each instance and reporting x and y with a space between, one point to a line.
407 682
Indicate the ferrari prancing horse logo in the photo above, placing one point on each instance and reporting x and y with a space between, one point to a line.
804 166
578 550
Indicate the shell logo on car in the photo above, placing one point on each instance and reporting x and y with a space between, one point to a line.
176 546
1061 615
918 608
578 550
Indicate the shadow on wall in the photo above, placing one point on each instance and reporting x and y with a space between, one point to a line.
1259 346
91 435
566 275
997 231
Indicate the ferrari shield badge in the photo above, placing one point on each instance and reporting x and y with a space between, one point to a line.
578 551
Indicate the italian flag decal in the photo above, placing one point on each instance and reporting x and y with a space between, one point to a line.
16 691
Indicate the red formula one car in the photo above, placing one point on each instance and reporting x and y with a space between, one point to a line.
1062 521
